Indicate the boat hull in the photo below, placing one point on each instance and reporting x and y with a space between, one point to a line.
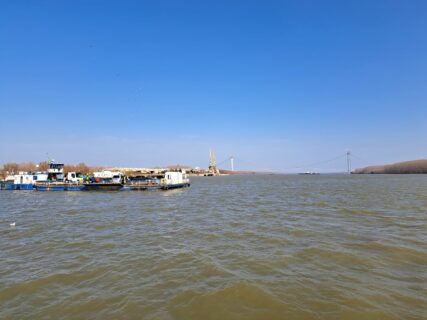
176 186
76 188
19 186
50 188
93 187
103 186
144 187
60 187
148 187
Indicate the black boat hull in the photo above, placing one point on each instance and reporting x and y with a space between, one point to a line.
103 186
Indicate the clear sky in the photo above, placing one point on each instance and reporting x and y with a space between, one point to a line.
278 84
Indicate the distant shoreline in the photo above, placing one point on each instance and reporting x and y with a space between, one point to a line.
405 167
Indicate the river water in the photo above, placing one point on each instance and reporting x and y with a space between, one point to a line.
236 247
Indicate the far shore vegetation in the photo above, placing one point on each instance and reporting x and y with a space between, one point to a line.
13 167
407 167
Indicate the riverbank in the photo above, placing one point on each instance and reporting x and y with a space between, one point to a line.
406 167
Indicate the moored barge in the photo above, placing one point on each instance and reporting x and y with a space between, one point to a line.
55 180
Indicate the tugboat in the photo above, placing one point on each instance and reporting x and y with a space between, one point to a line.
55 180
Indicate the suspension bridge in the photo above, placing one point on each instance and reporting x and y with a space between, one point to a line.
344 160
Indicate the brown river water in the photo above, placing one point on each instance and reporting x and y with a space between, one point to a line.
236 247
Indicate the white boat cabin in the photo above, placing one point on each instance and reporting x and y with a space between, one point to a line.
175 177
26 178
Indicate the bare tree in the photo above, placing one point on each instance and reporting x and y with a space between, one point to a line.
43 166
11 167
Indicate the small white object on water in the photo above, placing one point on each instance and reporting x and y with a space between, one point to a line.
13 224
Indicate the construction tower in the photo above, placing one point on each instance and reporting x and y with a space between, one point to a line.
212 170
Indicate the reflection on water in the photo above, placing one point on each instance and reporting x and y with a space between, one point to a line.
244 247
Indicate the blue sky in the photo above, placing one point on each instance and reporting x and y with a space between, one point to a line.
277 84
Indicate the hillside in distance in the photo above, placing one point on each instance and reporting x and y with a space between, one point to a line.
414 166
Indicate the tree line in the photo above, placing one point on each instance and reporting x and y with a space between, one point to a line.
411 167
13 167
